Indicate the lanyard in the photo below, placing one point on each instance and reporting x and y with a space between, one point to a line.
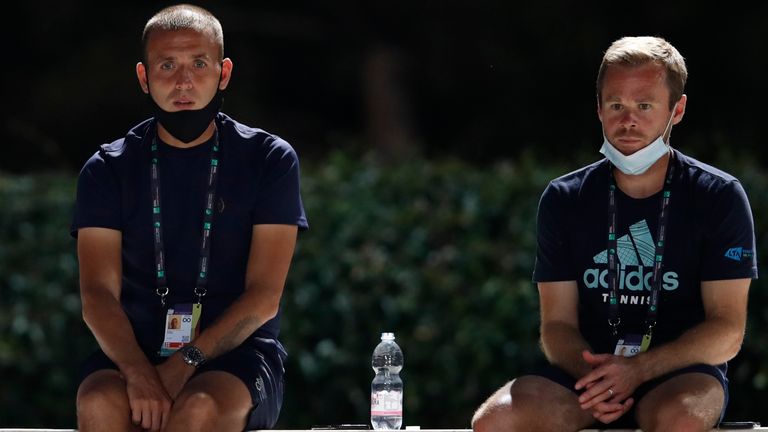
614 318
205 246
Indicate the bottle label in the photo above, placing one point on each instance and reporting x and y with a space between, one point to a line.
387 403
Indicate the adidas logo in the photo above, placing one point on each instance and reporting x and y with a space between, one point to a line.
635 249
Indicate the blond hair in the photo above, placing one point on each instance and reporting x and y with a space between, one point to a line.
641 50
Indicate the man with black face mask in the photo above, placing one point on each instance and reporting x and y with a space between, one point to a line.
643 267
185 231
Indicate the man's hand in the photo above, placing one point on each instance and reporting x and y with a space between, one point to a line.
174 374
150 404
612 380
611 410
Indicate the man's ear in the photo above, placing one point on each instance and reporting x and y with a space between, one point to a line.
677 117
141 74
226 73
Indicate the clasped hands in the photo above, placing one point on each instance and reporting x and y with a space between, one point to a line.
152 392
608 387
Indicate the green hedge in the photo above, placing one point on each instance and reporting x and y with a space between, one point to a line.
42 339
440 253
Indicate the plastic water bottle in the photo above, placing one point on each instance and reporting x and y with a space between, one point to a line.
387 387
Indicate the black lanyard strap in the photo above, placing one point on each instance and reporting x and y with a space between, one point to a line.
614 318
161 281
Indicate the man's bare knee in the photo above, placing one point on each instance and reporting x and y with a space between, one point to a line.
102 389
197 403
677 420
102 401
529 403
691 402
684 414
687 423
213 400
490 415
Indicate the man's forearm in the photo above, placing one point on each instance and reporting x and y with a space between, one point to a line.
563 345
712 342
107 321
249 312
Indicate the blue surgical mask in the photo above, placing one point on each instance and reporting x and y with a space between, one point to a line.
639 161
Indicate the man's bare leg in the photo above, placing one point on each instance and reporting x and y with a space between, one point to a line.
213 400
688 402
531 403
102 403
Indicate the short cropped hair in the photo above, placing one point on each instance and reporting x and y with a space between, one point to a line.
184 17
640 50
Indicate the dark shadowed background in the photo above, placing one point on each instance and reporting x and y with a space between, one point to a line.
427 131
473 79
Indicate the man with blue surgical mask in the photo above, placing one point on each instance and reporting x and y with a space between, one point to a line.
643 267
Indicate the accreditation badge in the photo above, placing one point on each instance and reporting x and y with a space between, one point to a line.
629 345
180 326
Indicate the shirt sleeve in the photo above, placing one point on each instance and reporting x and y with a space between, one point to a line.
728 250
278 198
98 197
553 261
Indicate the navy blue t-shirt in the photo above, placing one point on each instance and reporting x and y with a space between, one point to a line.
710 236
258 184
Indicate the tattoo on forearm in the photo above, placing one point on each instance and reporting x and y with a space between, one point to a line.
235 336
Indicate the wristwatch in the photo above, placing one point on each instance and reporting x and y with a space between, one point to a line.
192 355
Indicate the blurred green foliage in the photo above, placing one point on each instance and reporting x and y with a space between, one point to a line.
439 252
42 339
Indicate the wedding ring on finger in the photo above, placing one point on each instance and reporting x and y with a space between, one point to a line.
610 393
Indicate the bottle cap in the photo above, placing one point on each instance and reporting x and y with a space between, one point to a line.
387 336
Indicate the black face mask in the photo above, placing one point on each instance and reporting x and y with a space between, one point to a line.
188 125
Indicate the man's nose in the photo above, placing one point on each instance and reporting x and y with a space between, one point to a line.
184 79
628 119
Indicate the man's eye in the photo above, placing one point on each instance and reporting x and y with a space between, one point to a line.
200 64
166 66
645 106
615 106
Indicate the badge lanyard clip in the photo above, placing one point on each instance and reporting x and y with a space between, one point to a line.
614 323
200 293
162 292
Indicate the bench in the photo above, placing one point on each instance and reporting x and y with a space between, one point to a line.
367 430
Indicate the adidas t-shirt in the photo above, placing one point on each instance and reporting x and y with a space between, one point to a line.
710 236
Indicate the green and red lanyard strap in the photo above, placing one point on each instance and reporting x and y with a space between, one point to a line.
162 289
614 319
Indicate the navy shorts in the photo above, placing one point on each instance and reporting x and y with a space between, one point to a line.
628 421
258 363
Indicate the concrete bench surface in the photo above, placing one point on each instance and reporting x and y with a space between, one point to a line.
368 430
